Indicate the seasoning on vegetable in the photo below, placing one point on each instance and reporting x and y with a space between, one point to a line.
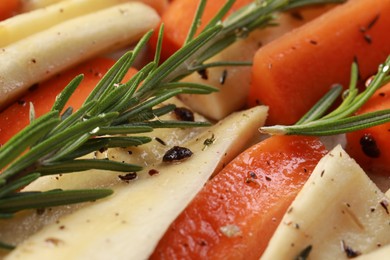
348 250
177 153
184 114
160 141
209 141
223 77
304 254
369 146
203 74
128 177
384 203
153 172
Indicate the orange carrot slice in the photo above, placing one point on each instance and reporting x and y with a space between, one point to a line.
236 213
178 18
9 8
293 72
370 147
16 117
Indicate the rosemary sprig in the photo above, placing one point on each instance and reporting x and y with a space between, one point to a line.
340 120
55 142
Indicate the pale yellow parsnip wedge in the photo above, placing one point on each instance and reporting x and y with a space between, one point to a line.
44 54
340 213
129 224
23 25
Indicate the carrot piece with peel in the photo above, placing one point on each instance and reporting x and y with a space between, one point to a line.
178 17
9 8
15 117
370 147
296 70
237 211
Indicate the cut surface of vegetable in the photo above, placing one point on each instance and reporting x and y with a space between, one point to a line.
237 211
370 146
23 25
9 8
46 53
129 223
295 71
178 17
43 95
234 81
339 213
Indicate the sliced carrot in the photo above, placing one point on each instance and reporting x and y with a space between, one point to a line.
370 147
159 5
236 213
293 72
9 8
16 117
178 18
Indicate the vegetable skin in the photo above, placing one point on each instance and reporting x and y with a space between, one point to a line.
235 214
370 146
46 53
15 117
9 8
297 69
178 18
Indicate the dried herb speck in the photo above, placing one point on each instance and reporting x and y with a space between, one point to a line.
349 251
369 146
177 153
304 254
128 177
160 141
223 77
203 74
184 114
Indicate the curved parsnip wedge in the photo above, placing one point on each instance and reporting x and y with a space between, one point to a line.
26 24
339 214
130 223
46 53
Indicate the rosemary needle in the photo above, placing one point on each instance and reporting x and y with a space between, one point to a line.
54 142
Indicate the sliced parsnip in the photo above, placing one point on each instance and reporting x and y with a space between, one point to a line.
44 54
340 213
23 25
29 5
129 224
26 223
234 82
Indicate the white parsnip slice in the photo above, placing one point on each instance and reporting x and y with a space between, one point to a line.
129 224
339 214
23 25
30 5
44 54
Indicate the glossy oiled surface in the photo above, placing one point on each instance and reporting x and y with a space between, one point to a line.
234 216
